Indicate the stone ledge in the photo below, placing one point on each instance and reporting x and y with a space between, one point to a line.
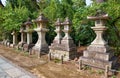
97 62
66 55
98 55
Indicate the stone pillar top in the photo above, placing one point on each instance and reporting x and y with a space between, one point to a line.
99 16
28 22
22 28
58 22
67 21
41 18
13 33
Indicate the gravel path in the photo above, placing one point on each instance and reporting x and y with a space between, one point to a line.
9 70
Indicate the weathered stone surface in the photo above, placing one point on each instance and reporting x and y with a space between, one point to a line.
58 30
9 70
14 38
99 54
20 45
41 45
23 37
96 62
6 66
27 47
99 48
66 54
63 47
28 25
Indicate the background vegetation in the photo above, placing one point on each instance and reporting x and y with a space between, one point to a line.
17 11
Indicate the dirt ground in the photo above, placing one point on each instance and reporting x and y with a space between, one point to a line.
45 69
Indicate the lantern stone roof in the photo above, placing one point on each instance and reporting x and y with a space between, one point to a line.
28 22
67 22
58 22
41 18
99 15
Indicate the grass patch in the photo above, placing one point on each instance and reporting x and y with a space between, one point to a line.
100 72
56 60
86 67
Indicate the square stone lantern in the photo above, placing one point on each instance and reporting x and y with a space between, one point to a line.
58 30
67 43
56 45
23 37
41 45
29 31
99 54
63 47
14 38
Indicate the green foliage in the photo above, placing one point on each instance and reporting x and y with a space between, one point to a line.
30 4
86 67
82 26
113 76
57 60
17 11
100 72
13 15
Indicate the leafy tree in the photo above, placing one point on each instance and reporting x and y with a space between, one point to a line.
12 18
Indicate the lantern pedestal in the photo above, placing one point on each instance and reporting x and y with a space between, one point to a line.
41 45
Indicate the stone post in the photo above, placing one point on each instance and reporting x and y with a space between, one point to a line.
49 57
41 45
14 38
80 64
106 71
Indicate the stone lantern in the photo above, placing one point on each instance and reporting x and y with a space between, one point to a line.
99 54
67 44
23 37
28 30
22 28
67 28
14 38
28 25
58 30
65 48
41 45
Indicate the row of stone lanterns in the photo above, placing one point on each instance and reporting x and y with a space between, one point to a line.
98 54
60 46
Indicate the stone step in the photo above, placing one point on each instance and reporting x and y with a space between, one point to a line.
97 62
98 55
